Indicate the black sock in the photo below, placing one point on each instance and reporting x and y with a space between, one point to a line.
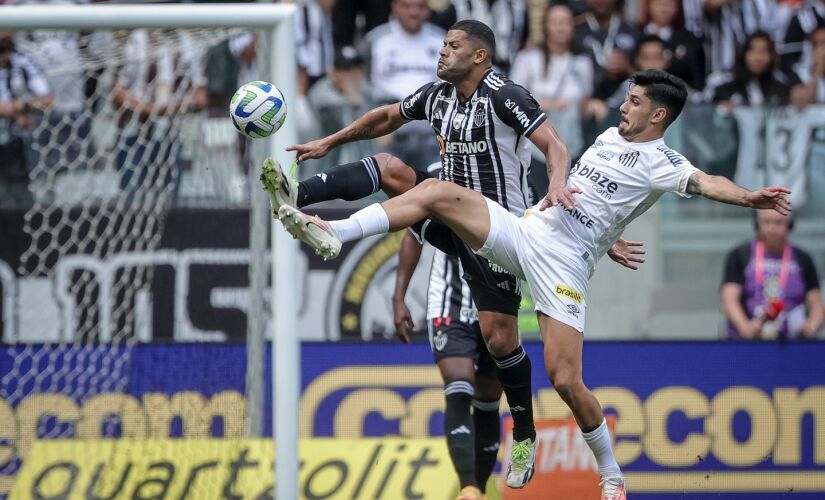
351 181
459 430
514 372
488 435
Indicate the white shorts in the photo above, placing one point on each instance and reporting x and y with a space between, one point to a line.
545 257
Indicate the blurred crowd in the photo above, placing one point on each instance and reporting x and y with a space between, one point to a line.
575 56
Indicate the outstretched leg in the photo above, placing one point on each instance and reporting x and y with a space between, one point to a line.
563 346
350 181
461 209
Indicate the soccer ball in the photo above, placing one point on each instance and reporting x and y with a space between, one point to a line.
257 109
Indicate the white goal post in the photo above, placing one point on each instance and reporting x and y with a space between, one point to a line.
278 21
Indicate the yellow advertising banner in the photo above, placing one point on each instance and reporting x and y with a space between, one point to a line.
221 468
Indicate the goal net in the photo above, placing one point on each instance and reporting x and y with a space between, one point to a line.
126 147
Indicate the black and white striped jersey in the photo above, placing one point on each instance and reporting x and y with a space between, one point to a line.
796 47
448 296
726 28
483 140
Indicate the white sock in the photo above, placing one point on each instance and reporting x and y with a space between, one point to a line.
365 222
602 447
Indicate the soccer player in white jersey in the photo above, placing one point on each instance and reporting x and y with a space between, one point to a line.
556 248
484 124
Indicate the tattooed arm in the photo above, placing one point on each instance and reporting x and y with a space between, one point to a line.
718 188
377 122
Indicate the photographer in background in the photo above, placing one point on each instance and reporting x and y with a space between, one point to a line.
770 287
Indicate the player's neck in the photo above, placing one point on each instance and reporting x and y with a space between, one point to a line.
467 87
646 136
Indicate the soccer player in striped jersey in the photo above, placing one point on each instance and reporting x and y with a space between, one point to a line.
483 123
463 361
556 247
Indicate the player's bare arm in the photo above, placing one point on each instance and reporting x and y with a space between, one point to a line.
718 188
374 123
408 258
558 166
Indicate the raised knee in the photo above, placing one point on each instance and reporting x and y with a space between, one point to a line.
389 165
396 176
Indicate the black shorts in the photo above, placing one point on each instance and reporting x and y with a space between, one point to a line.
493 288
450 337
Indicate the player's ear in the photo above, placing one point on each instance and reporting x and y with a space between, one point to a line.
659 115
481 55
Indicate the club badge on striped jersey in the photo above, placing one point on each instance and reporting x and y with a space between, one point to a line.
629 158
478 116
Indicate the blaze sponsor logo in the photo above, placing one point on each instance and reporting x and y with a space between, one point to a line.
520 115
563 290
602 184
465 148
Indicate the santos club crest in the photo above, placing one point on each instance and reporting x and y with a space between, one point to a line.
629 157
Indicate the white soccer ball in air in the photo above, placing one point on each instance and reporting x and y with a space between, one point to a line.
257 109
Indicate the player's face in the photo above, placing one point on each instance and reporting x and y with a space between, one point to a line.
636 113
455 60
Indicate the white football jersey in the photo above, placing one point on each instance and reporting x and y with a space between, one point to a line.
619 180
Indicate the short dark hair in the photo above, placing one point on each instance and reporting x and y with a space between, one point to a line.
663 89
479 32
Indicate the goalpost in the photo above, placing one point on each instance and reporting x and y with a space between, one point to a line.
110 329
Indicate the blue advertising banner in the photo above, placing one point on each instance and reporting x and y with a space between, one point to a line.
693 420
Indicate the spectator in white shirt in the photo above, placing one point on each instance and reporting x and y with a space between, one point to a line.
402 56
559 79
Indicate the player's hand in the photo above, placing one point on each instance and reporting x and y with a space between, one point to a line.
311 150
402 319
775 197
627 252
559 194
